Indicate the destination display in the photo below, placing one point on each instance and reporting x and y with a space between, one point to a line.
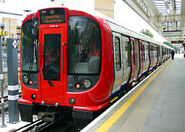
52 16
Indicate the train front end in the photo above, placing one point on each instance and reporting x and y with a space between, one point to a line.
64 64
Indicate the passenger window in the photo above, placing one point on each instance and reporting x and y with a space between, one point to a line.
151 51
133 51
143 52
146 51
117 53
158 51
155 51
127 50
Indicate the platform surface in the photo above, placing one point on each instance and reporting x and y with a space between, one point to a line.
157 104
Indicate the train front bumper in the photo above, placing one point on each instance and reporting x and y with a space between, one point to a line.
26 110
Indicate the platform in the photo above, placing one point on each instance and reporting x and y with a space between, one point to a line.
157 104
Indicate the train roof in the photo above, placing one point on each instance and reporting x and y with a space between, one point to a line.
125 31
166 46
119 28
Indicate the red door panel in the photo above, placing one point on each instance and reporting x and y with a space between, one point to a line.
52 84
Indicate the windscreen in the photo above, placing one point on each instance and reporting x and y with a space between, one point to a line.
84 46
30 45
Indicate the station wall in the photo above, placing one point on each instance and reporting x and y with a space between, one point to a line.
105 7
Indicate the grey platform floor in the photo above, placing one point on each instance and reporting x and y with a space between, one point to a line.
168 110
160 107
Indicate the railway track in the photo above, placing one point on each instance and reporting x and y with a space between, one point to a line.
42 126
64 124
33 126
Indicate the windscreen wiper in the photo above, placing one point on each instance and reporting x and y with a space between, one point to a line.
34 57
75 76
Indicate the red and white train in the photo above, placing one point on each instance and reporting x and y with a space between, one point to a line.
80 63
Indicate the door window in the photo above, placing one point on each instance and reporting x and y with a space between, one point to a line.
133 51
128 56
118 53
52 44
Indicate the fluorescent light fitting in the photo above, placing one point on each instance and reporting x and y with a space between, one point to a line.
168 11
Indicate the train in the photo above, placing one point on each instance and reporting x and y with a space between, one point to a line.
78 63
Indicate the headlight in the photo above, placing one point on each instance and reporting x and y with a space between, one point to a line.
33 97
25 78
72 101
87 83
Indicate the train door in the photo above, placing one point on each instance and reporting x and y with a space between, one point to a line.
142 55
151 55
137 59
146 57
126 59
118 64
164 54
52 83
133 60
155 55
158 55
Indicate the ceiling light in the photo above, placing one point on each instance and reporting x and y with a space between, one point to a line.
168 11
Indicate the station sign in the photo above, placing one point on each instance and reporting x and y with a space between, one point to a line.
14 44
3 33
172 33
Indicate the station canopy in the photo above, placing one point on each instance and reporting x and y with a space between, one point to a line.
165 16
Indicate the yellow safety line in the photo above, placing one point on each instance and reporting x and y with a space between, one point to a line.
114 99
108 123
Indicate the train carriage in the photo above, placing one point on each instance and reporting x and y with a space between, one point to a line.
74 61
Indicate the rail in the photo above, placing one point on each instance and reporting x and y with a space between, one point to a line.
37 126
28 126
